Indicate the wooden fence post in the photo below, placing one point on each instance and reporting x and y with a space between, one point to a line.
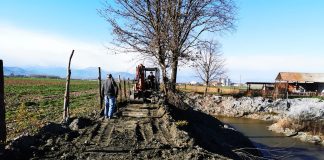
67 91
3 132
128 88
124 89
99 83
120 89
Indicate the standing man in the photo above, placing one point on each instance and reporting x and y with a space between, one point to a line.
110 91
151 79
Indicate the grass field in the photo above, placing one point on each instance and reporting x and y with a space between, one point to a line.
32 102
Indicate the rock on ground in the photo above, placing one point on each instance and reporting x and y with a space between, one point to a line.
264 108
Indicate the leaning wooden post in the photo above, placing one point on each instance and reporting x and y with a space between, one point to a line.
67 91
3 132
99 83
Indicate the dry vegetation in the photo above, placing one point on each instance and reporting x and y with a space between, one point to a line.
315 127
221 90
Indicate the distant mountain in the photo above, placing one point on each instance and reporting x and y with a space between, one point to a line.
87 73
14 70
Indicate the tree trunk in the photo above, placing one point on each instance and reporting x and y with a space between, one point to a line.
174 70
205 92
207 84
3 132
67 91
99 83
164 79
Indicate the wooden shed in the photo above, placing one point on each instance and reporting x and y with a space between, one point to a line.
264 89
308 84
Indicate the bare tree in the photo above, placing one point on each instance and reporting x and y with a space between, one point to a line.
210 63
189 19
166 30
140 26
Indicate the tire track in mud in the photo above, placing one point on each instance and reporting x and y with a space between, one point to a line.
103 137
159 135
138 130
147 132
144 131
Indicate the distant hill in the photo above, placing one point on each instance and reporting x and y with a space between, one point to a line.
87 73
14 70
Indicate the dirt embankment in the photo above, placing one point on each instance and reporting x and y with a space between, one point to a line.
301 118
148 131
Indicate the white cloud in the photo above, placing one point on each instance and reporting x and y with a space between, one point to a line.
20 47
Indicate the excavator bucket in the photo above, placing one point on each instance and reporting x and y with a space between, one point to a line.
135 97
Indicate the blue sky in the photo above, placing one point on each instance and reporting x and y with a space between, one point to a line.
73 18
274 36
271 36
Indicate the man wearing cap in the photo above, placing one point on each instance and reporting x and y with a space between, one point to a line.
110 90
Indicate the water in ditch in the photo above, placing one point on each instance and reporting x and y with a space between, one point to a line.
274 145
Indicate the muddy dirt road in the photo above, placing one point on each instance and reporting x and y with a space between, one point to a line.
141 131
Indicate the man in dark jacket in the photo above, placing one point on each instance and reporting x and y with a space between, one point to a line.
151 79
110 90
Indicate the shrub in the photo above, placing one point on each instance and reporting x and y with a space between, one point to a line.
181 123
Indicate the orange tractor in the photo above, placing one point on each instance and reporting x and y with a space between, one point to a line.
147 81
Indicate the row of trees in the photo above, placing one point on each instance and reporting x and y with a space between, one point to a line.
167 31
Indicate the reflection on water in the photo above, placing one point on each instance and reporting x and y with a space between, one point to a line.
272 144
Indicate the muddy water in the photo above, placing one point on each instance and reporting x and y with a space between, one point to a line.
274 145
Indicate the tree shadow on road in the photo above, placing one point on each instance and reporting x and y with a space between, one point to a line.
210 134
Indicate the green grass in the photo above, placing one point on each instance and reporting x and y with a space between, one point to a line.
32 102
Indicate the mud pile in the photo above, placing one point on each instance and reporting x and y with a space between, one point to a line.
141 131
